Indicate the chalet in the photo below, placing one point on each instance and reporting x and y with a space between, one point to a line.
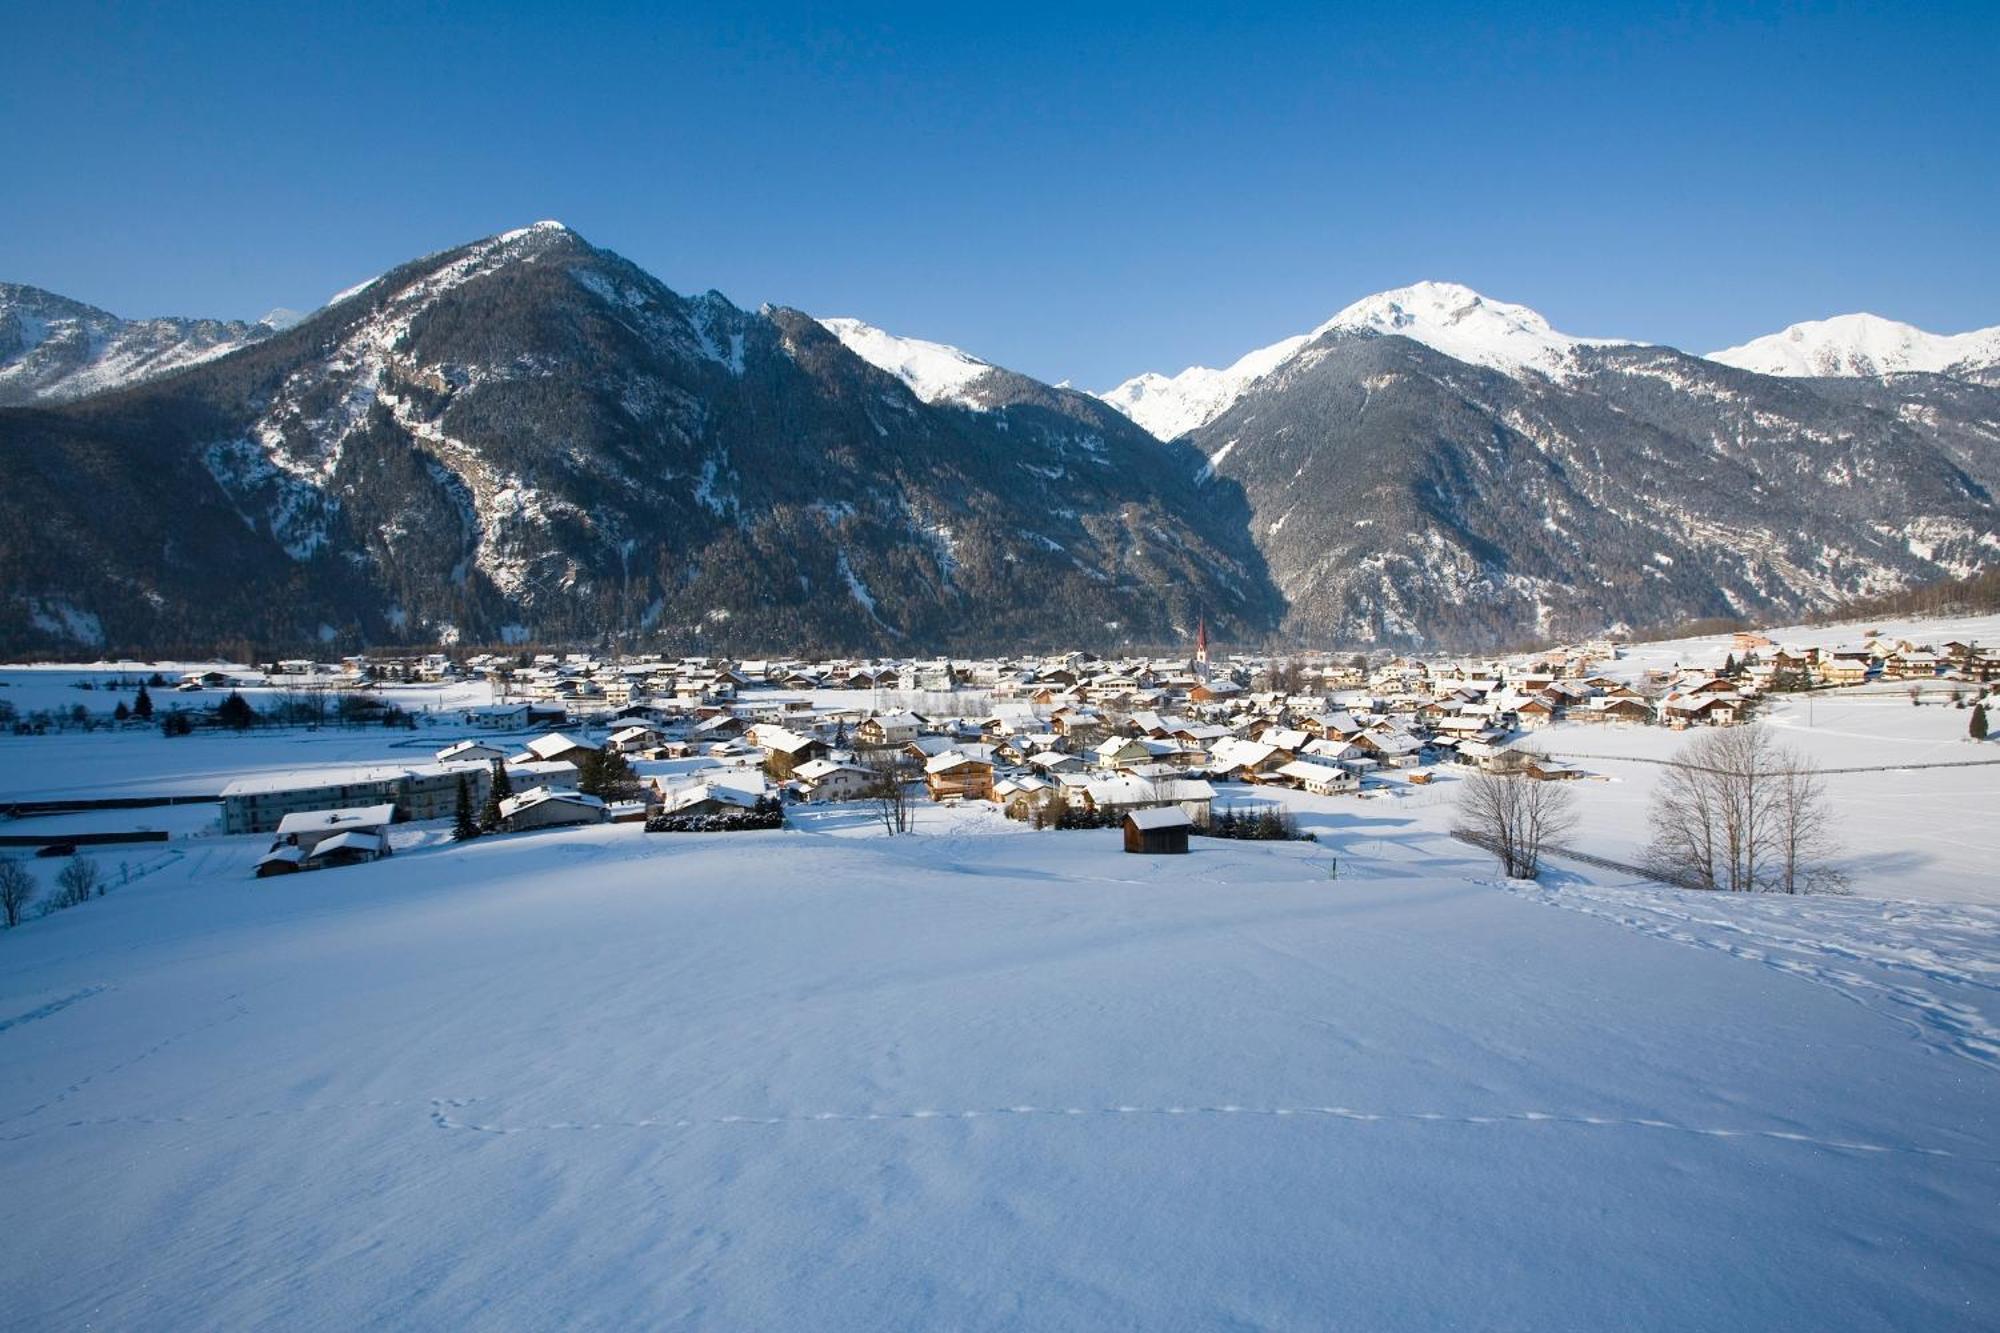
1080 727
896 728
955 775
635 738
318 839
556 748
1246 761
1610 709
1023 796
1156 832
831 780
548 807
785 750
1707 710
1121 752
1391 749
1319 779
707 798
1192 796
527 773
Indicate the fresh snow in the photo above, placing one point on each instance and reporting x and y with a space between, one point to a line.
986 1077
1444 316
1864 345
1170 406
935 372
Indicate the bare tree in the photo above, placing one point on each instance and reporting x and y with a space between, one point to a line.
1515 816
17 890
74 886
890 790
1737 811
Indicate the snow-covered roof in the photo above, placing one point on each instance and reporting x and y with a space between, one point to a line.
951 759
528 800
354 816
553 744
1160 817
355 840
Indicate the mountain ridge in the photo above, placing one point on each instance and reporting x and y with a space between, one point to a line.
527 436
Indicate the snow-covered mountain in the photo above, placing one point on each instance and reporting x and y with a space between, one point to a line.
1445 316
935 372
1866 345
54 349
530 437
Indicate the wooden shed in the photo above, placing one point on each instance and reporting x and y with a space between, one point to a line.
1157 832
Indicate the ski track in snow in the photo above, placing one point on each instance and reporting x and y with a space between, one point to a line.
1941 1024
51 1008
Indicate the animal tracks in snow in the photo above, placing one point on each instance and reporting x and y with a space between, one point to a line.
1901 960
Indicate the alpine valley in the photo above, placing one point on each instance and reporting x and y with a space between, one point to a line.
530 438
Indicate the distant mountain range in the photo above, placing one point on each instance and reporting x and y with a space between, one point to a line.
529 437
53 349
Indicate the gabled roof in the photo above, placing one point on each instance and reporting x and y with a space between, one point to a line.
1160 817
528 800
355 817
553 744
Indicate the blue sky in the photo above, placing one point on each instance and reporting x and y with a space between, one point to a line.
1074 191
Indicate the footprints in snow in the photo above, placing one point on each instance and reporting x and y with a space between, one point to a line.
442 1118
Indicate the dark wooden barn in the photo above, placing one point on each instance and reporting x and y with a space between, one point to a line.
1160 832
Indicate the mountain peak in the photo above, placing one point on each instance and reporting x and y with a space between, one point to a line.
1863 345
934 371
1448 317
1452 318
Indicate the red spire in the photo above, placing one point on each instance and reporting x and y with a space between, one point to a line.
1201 639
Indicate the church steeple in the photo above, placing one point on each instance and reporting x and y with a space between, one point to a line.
1201 646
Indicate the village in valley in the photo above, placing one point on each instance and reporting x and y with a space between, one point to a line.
1200 744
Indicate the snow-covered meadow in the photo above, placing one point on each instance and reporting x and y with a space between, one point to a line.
985 1077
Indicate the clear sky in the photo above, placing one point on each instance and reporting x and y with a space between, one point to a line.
1076 191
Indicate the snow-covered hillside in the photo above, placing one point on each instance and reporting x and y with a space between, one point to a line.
53 349
934 371
978 1078
1864 345
1446 316
1172 405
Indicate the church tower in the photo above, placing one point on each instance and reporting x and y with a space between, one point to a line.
1201 647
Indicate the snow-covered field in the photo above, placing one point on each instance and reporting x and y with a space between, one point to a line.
984 1077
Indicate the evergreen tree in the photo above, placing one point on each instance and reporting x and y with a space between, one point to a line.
1729 667
235 712
1976 728
121 712
502 787
142 707
608 775
464 827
